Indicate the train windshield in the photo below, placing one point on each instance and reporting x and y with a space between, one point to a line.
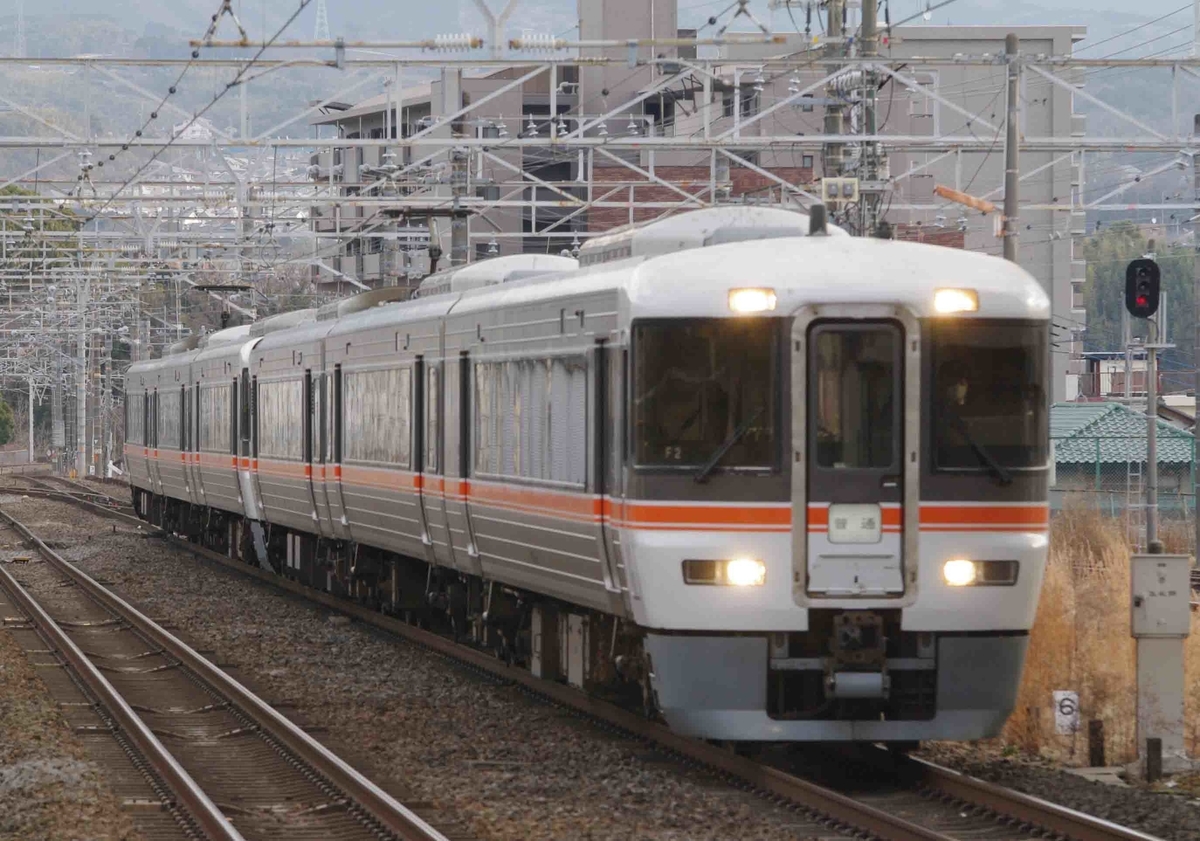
989 395
705 393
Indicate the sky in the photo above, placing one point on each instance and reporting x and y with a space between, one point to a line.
420 18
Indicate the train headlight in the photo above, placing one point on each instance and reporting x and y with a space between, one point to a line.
950 301
959 572
739 572
751 299
745 572
964 573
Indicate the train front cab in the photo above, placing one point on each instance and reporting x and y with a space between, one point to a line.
875 570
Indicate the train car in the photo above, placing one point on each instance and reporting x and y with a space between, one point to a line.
775 482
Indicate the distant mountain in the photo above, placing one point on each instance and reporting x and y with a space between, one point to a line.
408 19
375 19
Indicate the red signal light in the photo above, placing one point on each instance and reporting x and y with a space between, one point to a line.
1142 300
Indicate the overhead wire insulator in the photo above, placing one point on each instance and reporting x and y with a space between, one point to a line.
456 42
535 42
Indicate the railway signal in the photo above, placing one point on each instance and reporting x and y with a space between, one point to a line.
1142 278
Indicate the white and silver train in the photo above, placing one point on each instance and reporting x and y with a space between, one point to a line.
779 483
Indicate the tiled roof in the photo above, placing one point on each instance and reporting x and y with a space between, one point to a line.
1081 432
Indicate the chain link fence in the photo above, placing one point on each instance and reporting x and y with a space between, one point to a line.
1108 473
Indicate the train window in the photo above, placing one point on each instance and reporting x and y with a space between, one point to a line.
337 414
418 414
134 421
247 416
280 407
231 418
378 406
432 420
214 418
531 419
169 415
322 396
254 415
854 374
308 417
989 394
704 389
463 374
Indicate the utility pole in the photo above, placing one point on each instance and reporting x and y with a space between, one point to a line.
870 189
460 233
1012 169
1127 343
31 453
832 152
20 48
1152 544
1196 314
321 26
81 383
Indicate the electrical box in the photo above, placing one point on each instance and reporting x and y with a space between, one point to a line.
545 659
837 191
1161 595
573 648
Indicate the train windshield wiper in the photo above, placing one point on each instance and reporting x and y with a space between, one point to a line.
709 466
1002 474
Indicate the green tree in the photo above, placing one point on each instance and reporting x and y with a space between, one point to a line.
1107 254
6 423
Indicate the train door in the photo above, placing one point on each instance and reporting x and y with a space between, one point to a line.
185 442
321 475
152 437
848 384
333 484
603 422
311 461
246 463
420 413
433 484
458 508
135 436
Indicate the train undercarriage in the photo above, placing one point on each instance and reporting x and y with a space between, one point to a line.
590 650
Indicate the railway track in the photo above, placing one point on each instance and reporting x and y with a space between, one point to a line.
222 763
908 799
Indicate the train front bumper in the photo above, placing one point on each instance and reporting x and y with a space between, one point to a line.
715 687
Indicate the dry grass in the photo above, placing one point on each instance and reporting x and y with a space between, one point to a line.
1080 641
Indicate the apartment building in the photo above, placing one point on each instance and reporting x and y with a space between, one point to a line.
506 200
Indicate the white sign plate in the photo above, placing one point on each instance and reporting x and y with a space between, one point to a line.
855 523
1066 712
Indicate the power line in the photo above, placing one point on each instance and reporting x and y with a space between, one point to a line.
225 8
1131 31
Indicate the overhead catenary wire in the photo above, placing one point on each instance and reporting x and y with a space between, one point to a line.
302 4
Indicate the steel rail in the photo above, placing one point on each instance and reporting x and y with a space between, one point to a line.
824 801
393 815
190 796
1048 816
1033 810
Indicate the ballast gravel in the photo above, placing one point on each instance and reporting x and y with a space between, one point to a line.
1163 813
506 765
49 791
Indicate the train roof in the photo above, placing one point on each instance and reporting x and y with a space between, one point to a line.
415 310
683 266
494 270
829 270
702 228
801 270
